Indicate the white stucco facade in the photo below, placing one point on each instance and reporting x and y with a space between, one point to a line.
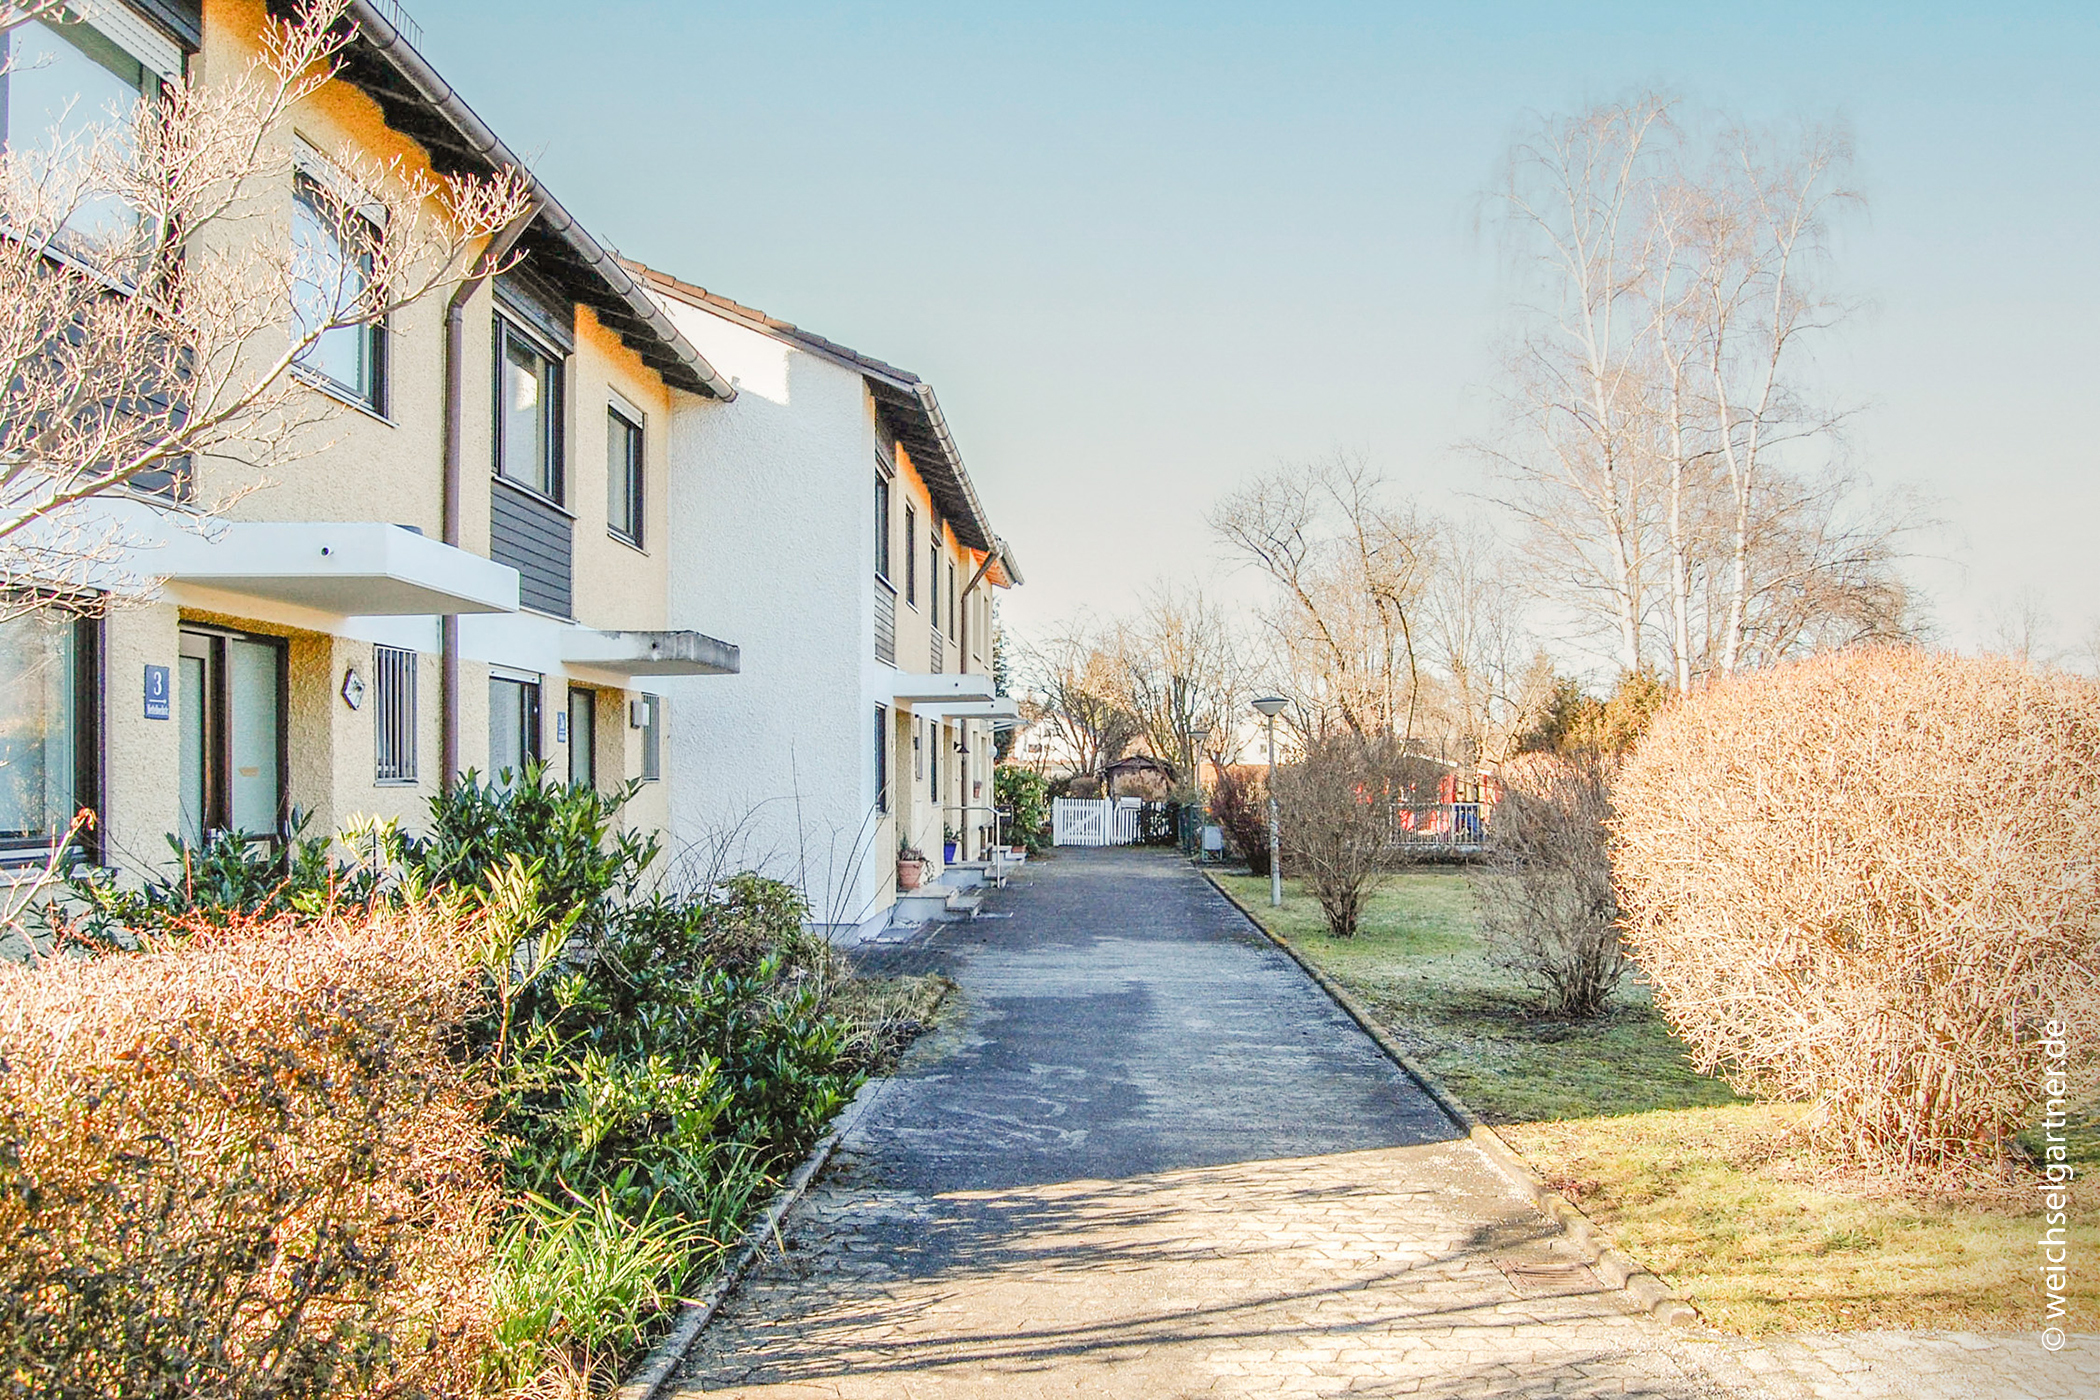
773 541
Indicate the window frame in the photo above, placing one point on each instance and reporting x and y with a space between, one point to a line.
531 697
89 693
217 795
882 525
374 395
583 736
911 554
652 727
394 747
507 328
882 760
634 471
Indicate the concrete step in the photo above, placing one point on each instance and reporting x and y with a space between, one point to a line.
938 900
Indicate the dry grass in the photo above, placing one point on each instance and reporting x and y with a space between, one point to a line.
1868 882
246 1165
1719 1196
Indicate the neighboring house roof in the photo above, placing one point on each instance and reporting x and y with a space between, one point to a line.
906 400
383 62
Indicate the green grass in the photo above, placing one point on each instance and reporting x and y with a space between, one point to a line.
1721 1197
1417 962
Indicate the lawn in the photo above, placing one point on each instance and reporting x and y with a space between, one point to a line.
1718 1196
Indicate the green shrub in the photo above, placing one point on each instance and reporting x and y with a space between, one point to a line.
1027 793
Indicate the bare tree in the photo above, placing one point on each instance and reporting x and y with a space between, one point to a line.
1664 450
1077 681
1349 567
1496 680
1184 678
159 295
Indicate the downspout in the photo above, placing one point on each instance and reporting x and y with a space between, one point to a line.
491 261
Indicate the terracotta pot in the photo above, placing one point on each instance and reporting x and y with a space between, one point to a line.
910 874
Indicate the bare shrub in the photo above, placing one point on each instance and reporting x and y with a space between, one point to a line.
1867 881
1338 806
248 1164
1239 803
1547 908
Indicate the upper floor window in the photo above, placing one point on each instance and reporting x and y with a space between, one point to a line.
911 555
65 83
952 620
623 473
528 412
332 271
882 526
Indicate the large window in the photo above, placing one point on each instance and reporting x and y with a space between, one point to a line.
229 703
62 83
882 526
48 709
528 412
394 715
514 728
332 269
623 475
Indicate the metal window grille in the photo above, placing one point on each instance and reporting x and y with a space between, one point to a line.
394 714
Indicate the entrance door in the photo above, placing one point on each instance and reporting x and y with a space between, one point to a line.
583 738
229 699
514 729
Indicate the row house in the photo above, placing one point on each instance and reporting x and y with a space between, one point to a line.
542 507
827 511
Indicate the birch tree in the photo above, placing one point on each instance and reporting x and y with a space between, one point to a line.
1185 678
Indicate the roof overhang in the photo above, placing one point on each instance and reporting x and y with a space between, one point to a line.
417 102
917 688
359 569
672 653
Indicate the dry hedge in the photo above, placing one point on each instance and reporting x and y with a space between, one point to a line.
1867 881
247 1164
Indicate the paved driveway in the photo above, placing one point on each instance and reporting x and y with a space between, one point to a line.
1150 1158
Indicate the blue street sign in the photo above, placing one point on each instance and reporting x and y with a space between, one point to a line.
157 696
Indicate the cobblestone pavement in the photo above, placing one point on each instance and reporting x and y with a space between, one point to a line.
1151 1159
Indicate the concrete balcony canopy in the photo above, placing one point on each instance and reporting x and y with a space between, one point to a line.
921 688
675 653
357 569
1000 709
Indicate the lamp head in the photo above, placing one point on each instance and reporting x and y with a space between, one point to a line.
1272 705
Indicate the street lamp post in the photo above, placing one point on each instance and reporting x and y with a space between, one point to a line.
1270 706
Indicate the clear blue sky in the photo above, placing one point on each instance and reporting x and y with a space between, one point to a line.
1144 250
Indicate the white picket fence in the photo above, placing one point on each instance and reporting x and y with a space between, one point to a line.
1102 822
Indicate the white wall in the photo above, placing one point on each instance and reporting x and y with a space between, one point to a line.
771 549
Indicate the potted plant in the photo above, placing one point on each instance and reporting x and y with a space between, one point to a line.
949 841
911 866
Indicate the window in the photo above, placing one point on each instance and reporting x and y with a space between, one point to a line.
48 711
229 703
933 573
583 738
528 413
882 526
933 769
647 715
623 475
331 270
918 747
514 729
394 715
951 601
882 759
63 83
911 555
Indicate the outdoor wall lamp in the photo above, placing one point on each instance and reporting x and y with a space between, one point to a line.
1270 706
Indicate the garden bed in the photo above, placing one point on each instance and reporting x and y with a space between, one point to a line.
1714 1194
